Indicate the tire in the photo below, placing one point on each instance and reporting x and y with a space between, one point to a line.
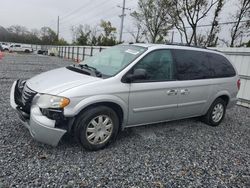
90 134
26 51
218 107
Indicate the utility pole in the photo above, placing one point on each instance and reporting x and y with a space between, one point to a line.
172 40
122 20
58 28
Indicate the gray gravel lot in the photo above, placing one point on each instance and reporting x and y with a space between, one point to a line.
184 153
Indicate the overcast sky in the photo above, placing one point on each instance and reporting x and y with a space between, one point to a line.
39 13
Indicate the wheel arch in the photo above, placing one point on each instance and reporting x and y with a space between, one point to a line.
116 103
111 105
225 98
225 95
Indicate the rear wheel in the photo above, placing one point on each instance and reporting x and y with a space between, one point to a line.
96 127
216 113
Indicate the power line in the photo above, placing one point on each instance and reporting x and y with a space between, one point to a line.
95 6
222 23
205 25
76 10
72 14
110 16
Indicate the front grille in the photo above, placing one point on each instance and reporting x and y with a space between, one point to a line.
27 97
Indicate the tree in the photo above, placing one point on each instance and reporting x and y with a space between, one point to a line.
154 17
137 34
239 28
61 42
107 38
83 33
4 34
93 36
48 36
215 28
18 30
188 13
21 34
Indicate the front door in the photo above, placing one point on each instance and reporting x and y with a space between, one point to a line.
154 98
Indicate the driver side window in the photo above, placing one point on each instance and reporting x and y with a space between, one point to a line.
158 65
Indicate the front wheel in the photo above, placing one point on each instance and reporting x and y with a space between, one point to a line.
216 113
96 127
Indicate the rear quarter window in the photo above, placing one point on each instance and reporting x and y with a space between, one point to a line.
220 66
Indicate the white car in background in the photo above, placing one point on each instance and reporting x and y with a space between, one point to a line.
20 48
5 46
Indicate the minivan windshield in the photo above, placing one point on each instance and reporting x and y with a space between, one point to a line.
112 60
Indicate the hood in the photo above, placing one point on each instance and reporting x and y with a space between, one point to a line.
58 80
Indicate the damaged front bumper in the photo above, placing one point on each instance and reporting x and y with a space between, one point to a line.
41 127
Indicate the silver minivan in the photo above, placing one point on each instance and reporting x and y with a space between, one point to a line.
126 86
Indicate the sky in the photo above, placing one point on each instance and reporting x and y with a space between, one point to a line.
39 13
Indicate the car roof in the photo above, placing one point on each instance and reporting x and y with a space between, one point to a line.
175 46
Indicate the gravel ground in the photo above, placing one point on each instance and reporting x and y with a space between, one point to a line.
184 153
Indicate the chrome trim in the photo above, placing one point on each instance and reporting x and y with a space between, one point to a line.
191 103
155 108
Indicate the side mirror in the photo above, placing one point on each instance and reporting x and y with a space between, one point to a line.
139 74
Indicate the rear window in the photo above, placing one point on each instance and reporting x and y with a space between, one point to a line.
220 66
192 65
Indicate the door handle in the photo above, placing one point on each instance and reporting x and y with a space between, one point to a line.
184 91
172 92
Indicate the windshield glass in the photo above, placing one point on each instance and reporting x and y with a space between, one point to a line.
112 60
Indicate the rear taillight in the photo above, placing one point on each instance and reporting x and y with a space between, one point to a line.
238 84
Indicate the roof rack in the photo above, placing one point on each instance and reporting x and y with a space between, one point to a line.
185 44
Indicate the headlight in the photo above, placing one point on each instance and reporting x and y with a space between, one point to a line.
51 101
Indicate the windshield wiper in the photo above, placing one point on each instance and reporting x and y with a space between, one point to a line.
98 73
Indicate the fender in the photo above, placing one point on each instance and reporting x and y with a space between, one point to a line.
98 99
212 99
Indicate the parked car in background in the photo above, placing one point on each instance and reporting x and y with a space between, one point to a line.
42 52
20 48
5 46
53 52
1 52
126 86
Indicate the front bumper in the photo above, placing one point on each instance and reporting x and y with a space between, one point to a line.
41 128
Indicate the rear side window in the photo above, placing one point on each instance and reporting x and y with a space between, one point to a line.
220 66
192 65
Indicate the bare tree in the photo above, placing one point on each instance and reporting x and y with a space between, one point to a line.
153 15
18 30
137 32
188 13
215 28
239 28
73 33
94 35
